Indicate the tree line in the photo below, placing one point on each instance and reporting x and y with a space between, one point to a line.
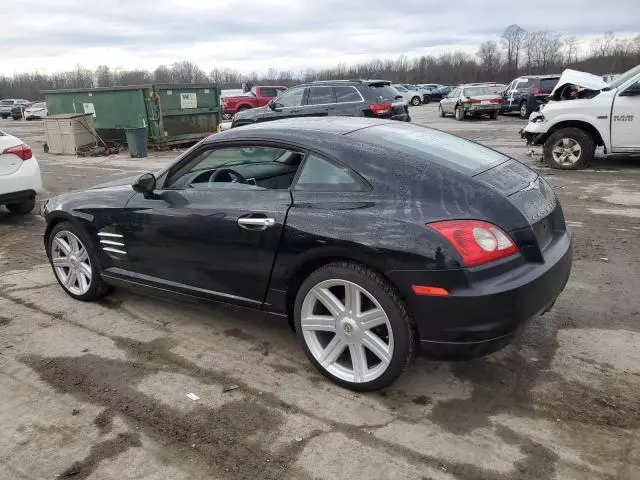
518 52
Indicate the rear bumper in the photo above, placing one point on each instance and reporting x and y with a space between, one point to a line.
403 117
26 178
485 315
17 197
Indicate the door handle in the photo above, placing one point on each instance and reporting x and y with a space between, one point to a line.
256 223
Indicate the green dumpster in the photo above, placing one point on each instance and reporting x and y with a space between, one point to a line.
172 114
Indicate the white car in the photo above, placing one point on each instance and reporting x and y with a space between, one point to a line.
407 95
20 179
36 110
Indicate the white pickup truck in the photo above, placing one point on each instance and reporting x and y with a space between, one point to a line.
583 113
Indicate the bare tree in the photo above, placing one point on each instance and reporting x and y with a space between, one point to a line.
603 46
513 39
550 46
162 74
104 78
572 49
490 58
187 72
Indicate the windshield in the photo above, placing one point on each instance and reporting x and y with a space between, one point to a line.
39 105
474 91
400 88
624 77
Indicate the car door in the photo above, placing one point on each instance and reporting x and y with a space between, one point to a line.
212 239
507 96
625 119
319 101
287 105
520 92
449 102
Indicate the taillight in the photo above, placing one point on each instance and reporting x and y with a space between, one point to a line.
540 92
476 241
474 101
23 151
380 108
496 100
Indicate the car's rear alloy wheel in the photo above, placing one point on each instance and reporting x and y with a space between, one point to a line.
415 101
459 114
353 326
524 110
74 263
441 110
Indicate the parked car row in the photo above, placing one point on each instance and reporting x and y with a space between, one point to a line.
20 108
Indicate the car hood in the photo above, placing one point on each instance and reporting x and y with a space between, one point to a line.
581 79
251 113
116 183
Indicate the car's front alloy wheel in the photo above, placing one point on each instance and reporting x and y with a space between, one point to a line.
415 101
353 326
74 263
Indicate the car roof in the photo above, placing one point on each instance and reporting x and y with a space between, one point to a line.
287 127
344 82
539 76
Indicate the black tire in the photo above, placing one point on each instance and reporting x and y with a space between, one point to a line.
581 137
415 101
97 287
524 111
494 115
16 118
4 117
22 208
459 113
426 99
402 327
441 111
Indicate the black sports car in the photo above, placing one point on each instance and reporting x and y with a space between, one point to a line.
377 239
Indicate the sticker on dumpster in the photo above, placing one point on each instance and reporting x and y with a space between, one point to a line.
188 100
89 108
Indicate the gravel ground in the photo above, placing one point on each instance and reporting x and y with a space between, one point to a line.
99 391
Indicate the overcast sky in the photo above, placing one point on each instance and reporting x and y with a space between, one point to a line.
254 35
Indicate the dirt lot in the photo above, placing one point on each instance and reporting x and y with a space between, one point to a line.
99 391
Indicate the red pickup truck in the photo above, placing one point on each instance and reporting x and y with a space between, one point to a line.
257 97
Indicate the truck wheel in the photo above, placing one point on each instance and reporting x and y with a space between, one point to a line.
524 110
415 101
569 149
459 113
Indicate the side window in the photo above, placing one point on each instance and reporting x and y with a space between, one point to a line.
291 97
346 94
247 167
320 96
268 92
455 93
320 175
523 84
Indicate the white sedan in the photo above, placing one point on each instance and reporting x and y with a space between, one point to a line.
36 110
20 178
407 95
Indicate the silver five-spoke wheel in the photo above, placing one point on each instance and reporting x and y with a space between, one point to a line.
71 262
566 151
347 331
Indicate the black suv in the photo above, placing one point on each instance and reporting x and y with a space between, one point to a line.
350 98
525 94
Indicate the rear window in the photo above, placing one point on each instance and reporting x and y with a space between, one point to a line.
475 91
435 146
271 92
383 92
548 84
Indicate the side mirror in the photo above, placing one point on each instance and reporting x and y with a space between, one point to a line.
145 184
275 106
632 91
398 97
